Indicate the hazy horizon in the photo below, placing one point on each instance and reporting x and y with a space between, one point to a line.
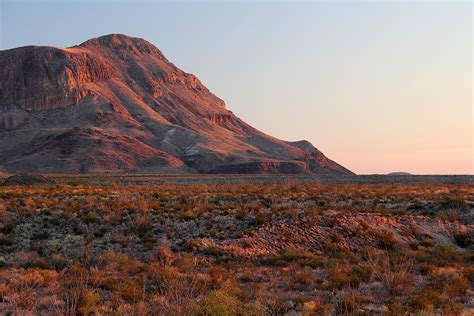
378 87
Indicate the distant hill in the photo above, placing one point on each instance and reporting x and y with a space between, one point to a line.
399 173
115 103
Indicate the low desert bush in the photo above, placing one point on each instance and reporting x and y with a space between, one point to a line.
454 203
394 271
90 217
141 225
463 239
348 303
385 239
396 308
425 300
301 279
222 303
262 218
443 255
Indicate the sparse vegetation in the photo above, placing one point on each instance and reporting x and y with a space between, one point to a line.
224 249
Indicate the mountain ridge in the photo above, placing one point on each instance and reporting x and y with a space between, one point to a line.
115 103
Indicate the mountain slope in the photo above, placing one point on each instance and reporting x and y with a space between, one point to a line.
115 103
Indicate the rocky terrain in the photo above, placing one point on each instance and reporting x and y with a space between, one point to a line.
115 103
237 249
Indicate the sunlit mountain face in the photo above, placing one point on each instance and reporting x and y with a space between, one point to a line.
115 103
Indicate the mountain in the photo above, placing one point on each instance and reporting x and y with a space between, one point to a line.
115 103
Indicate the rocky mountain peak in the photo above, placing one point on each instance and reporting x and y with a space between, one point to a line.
120 42
115 103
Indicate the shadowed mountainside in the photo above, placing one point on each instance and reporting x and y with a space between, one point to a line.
115 103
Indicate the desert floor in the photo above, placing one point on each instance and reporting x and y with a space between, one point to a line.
237 245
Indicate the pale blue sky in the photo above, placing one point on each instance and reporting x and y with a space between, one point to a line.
377 86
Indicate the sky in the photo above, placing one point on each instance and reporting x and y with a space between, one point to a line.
379 86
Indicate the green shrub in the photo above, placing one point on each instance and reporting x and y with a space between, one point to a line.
90 217
222 303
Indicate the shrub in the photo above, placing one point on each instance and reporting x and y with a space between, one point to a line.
304 278
425 299
241 214
4 292
141 225
313 261
262 218
395 272
88 301
463 239
468 273
223 302
427 243
290 254
78 291
5 241
443 255
395 308
454 286
385 239
360 273
348 303
90 217
452 309
338 278
453 203
300 256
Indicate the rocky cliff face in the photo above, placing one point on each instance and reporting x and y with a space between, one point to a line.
115 103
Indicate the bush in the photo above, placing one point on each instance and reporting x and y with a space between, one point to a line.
222 303
395 308
348 304
90 217
443 255
262 218
5 241
141 225
453 203
88 302
338 278
291 254
300 256
304 278
4 292
385 239
425 299
427 243
455 286
77 291
394 271
452 309
359 274
463 239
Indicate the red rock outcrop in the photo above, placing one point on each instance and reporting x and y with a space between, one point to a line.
115 103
